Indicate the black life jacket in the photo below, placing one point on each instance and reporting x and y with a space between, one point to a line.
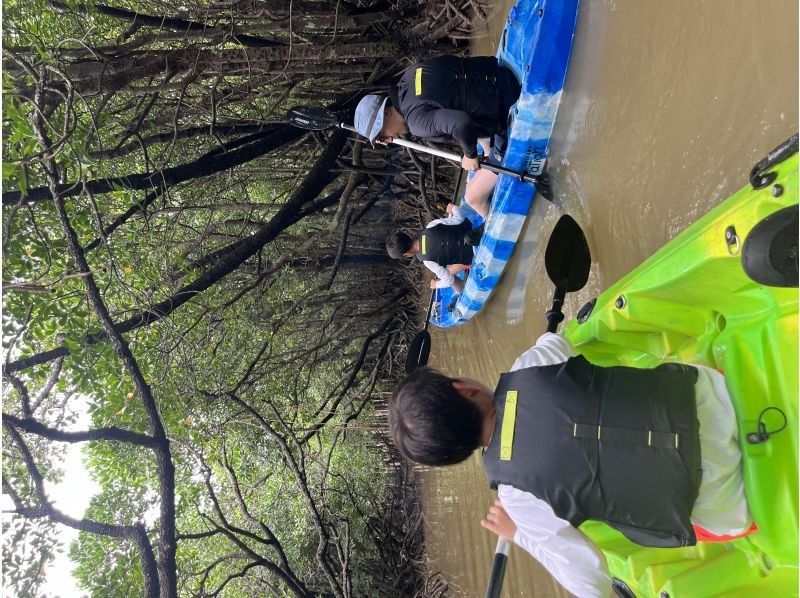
445 244
616 444
477 86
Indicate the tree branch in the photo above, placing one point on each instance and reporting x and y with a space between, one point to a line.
205 165
110 434
239 252
132 533
167 569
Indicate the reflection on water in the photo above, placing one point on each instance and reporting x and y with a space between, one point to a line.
666 108
455 501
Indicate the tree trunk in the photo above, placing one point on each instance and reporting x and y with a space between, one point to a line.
91 78
317 179
206 165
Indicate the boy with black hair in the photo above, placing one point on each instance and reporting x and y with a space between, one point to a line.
444 246
652 452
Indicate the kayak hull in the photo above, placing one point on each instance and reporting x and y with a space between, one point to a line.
536 44
692 302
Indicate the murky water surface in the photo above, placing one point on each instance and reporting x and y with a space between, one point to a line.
666 108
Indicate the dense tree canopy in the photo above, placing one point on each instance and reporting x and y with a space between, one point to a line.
208 284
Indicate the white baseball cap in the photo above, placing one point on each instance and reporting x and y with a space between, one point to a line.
369 115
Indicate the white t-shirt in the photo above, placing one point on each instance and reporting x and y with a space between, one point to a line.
445 279
568 554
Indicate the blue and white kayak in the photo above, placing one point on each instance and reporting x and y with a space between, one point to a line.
536 45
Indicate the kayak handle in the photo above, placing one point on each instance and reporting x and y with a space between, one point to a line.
763 434
757 177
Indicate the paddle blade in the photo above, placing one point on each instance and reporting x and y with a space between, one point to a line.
418 352
312 118
567 258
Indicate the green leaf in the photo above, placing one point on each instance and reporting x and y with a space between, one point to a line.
10 170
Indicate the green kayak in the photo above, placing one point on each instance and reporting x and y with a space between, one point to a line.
692 302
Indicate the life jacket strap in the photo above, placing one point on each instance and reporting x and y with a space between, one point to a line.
626 435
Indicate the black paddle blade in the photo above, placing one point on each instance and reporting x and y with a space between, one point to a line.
312 118
418 352
567 258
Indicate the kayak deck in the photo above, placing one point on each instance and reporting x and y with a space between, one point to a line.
536 45
692 302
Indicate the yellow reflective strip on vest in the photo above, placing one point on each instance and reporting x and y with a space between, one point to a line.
507 430
422 240
418 81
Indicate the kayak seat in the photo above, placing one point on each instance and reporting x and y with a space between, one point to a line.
704 535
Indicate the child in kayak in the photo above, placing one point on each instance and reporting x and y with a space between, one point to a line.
444 246
652 452
443 98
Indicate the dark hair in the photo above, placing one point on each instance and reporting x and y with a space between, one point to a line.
430 422
397 244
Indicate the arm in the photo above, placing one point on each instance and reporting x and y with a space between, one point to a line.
443 122
445 279
456 211
549 349
455 217
566 552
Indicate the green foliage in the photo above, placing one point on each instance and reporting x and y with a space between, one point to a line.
28 548
106 567
278 338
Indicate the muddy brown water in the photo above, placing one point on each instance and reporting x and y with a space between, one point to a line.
666 107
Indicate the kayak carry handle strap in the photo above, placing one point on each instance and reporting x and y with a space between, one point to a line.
757 177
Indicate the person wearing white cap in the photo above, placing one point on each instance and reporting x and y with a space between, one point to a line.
443 98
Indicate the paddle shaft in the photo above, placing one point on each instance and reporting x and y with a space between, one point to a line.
554 315
523 176
498 568
430 305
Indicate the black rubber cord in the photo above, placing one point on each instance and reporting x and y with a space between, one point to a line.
763 434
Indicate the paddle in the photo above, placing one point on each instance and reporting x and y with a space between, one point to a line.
567 261
317 118
420 348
